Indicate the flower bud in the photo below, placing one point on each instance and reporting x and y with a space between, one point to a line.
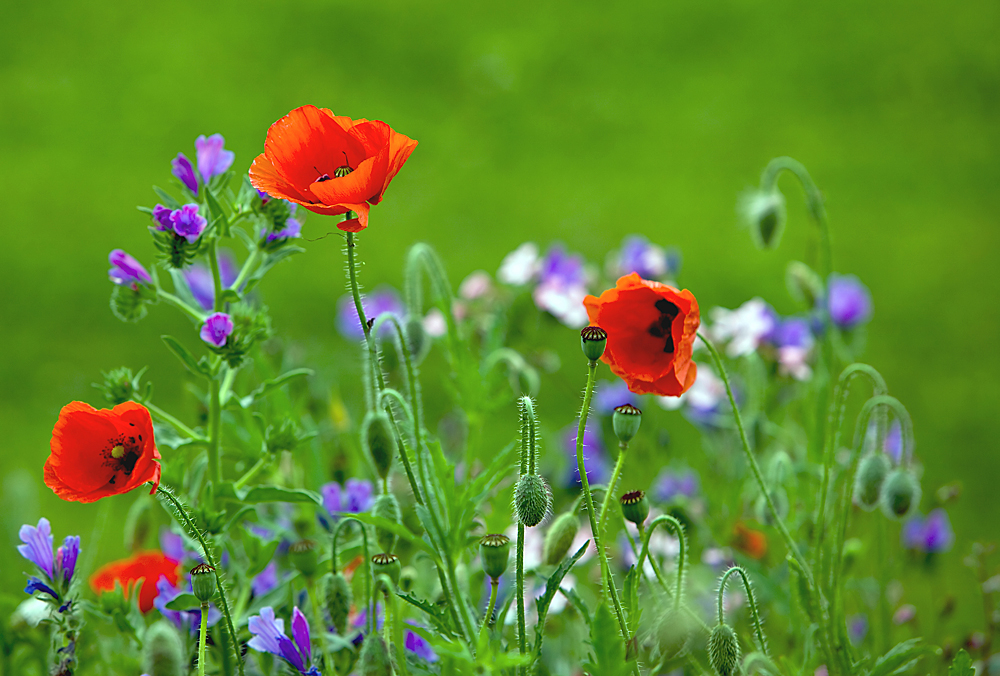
408 578
338 600
120 385
379 441
560 538
387 507
374 658
593 340
724 650
900 494
804 285
872 471
780 499
672 632
494 551
626 422
387 564
532 500
162 651
635 507
305 557
417 339
764 211
203 582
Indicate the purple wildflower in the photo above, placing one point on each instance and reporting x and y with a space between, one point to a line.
416 644
213 159
189 619
182 169
649 260
848 301
216 329
792 332
893 444
161 215
269 637
594 459
126 271
610 394
36 585
670 485
265 581
291 230
361 619
382 299
929 534
857 628
357 495
173 546
67 555
186 222
562 287
37 546
199 279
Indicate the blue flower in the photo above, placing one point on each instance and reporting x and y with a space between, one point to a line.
648 260
356 496
610 394
36 585
126 271
416 644
181 167
670 484
37 546
928 534
67 555
269 637
265 581
594 457
186 222
382 299
848 301
213 159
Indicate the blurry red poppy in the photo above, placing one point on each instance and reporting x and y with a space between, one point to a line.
330 164
101 452
651 329
753 543
147 566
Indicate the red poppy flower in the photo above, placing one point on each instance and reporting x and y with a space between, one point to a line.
330 164
146 566
651 330
751 542
97 453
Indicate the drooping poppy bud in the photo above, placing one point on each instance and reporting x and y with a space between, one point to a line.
417 339
162 651
765 214
304 555
494 551
374 660
203 582
780 499
593 339
338 600
387 507
379 441
900 494
635 506
872 471
560 538
724 650
626 421
387 564
532 500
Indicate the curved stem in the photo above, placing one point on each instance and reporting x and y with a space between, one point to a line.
369 606
202 635
814 202
488 618
623 446
248 266
214 432
391 611
751 600
678 529
250 473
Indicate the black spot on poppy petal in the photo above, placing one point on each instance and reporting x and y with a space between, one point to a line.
667 308
128 462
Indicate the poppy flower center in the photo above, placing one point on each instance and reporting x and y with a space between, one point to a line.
662 325
342 171
122 454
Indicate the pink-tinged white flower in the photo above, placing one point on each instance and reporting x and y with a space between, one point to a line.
794 362
434 323
476 285
744 328
520 266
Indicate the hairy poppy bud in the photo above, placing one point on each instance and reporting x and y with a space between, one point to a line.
724 650
560 538
672 631
872 471
494 551
593 339
387 507
417 338
374 658
203 582
379 441
408 578
626 422
305 557
338 600
635 506
804 285
532 500
764 212
780 499
120 385
900 493
162 651
387 564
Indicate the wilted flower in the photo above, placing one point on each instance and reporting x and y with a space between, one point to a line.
562 286
520 266
269 637
382 299
848 301
217 329
928 534
745 328
127 271
213 159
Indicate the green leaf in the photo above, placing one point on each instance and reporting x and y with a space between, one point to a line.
398 529
902 657
269 385
168 200
184 602
262 558
259 494
434 613
218 215
577 602
551 588
230 296
961 665
184 355
608 657
631 598
239 516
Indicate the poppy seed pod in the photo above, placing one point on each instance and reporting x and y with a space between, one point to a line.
387 564
900 494
338 600
379 441
593 339
872 471
635 506
560 538
203 582
626 421
532 500
162 651
374 659
387 507
305 557
724 650
494 551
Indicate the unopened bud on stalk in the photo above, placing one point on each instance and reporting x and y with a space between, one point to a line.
388 565
162 651
338 600
203 582
804 285
408 578
532 500
635 506
626 421
560 538
305 557
593 339
387 507
872 471
724 650
494 552
900 493
379 441
780 499
417 338
374 658
764 212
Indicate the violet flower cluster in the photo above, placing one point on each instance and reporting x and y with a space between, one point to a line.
269 637
56 571
213 160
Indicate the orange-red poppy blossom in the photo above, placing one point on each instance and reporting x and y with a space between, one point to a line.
101 452
146 566
651 329
330 164
751 542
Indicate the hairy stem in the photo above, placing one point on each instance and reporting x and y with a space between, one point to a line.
521 640
488 618
623 446
752 601
202 635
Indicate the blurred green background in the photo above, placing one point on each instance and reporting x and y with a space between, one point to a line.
572 121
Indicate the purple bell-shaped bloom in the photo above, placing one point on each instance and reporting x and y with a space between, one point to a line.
181 167
213 158
37 546
67 555
126 271
269 637
188 223
216 329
